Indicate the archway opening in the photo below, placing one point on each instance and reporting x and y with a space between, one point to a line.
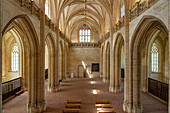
150 64
19 47
117 83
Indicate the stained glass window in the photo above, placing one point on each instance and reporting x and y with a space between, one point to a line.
154 53
15 57
47 7
122 9
84 33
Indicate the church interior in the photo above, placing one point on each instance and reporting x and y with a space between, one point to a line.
84 56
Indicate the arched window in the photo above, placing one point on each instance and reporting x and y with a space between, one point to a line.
154 58
122 9
47 6
84 33
15 57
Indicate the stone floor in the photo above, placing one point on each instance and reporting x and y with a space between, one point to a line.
81 88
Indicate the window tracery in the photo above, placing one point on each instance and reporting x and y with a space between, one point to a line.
154 58
15 58
47 3
84 33
122 9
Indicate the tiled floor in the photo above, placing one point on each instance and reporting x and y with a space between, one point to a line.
81 88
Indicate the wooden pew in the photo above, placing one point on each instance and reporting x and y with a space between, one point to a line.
73 106
102 101
103 105
106 110
70 110
73 101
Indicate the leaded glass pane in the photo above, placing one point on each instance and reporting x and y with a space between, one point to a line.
84 35
15 57
154 57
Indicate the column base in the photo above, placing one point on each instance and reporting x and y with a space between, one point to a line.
125 106
108 81
137 108
33 108
54 89
145 89
25 89
118 89
104 80
101 75
111 88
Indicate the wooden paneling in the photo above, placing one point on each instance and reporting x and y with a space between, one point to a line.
10 88
159 89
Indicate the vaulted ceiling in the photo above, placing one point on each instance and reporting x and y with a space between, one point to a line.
74 13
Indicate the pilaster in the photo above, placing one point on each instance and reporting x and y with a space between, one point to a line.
169 50
127 105
1 24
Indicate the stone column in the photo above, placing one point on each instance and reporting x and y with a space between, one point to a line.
101 62
64 60
108 64
57 85
1 24
104 61
169 50
127 105
117 69
112 63
41 77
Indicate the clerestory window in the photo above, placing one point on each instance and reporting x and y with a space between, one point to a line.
84 33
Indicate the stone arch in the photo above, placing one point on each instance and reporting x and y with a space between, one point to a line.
139 46
106 65
115 85
52 82
28 38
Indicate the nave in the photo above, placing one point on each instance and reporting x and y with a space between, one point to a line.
84 89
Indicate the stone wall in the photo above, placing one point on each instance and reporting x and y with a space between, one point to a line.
79 55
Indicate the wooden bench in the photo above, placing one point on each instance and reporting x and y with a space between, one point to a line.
73 101
102 101
103 105
106 110
70 110
73 105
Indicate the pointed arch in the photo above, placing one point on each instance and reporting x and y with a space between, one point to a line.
51 46
139 46
22 26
